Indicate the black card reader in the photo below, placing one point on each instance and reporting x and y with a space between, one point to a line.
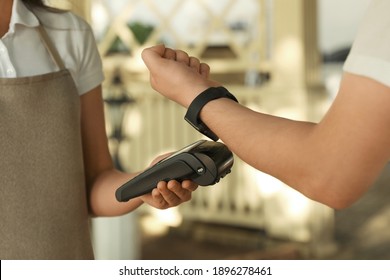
204 162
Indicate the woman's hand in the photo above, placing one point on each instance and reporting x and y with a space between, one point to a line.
169 194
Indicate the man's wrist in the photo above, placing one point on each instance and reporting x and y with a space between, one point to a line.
193 113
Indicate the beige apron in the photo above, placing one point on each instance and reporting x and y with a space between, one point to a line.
43 204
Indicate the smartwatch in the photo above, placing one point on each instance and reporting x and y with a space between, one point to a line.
192 115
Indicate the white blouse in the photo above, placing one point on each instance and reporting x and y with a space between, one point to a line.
22 52
370 53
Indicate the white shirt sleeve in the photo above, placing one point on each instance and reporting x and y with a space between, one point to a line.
22 53
74 40
370 53
77 46
89 73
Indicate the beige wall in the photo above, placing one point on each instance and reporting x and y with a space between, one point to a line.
80 7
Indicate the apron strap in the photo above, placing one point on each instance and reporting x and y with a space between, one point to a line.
50 47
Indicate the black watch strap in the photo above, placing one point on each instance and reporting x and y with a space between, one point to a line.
192 115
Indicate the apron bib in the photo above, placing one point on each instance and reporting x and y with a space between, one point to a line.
43 202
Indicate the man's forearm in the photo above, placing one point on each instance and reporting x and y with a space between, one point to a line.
289 150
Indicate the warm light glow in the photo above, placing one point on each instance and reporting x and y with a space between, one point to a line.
132 123
332 84
289 52
286 211
170 217
100 18
159 221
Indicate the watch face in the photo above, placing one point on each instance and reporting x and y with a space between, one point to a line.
184 150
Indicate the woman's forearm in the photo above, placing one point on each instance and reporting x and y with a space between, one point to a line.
102 194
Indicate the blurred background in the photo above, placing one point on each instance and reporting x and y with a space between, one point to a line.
280 57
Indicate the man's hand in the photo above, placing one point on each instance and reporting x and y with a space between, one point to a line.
175 74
